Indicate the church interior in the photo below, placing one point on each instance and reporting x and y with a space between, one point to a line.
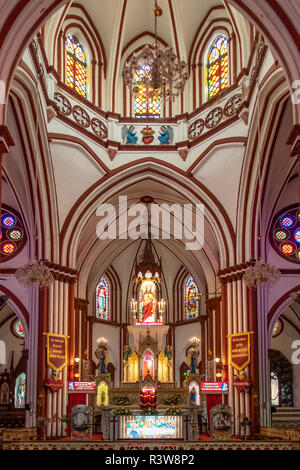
150 224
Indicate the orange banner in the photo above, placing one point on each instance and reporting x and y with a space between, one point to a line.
239 350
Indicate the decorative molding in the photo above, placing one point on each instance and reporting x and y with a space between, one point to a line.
6 140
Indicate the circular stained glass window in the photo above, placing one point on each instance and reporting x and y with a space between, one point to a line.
286 234
8 220
12 233
17 328
287 221
288 248
15 234
281 234
297 235
8 248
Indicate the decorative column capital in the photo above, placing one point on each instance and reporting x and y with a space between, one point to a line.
6 140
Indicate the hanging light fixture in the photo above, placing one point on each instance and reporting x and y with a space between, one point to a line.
160 71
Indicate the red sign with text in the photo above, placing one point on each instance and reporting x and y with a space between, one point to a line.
214 386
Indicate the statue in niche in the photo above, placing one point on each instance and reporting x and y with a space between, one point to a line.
102 356
193 396
148 304
192 356
127 352
168 352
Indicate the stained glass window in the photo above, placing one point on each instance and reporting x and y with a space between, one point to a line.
217 67
147 100
191 293
12 233
102 299
20 391
275 390
286 234
76 66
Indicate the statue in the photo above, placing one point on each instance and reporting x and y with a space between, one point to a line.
192 358
165 135
148 304
127 352
168 352
129 135
102 355
193 396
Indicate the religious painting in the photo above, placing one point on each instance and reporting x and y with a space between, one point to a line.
151 427
81 423
102 299
221 422
147 302
191 299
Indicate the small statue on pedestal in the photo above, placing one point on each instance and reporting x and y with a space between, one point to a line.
127 352
192 356
168 352
102 356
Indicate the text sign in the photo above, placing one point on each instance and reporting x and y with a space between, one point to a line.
56 351
214 386
239 350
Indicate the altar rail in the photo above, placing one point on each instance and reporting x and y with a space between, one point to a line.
278 433
162 445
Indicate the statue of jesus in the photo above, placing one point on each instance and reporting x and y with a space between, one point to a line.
148 303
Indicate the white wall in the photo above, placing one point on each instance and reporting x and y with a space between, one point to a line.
112 334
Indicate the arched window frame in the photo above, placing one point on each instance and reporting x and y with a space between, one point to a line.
107 300
279 388
149 103
83 44
188 281
2 352
211 44
134 47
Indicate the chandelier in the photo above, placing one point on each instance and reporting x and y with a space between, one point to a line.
147 267
194 341
161 72
36 273
260 273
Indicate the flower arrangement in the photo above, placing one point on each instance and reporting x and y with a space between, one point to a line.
121 400
174 411
149 412
122 411
172 400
